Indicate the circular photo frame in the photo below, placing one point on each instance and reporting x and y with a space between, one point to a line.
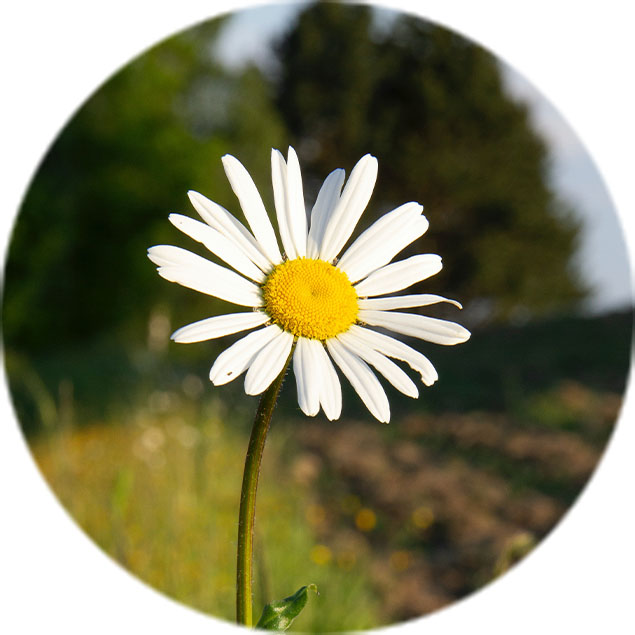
357 190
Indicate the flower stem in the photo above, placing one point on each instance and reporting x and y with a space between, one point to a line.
246 516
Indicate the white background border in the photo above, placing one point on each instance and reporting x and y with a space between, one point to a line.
55 54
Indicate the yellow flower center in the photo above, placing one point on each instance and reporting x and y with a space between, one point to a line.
310 298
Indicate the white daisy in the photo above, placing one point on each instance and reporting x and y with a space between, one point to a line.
305 294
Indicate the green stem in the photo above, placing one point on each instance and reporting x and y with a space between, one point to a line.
246 516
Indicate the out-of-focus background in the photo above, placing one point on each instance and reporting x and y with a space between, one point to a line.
390 521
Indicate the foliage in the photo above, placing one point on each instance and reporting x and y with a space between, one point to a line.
432 107
157 489
279 615
388 521
428 103
101 196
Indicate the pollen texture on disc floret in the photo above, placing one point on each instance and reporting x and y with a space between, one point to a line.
310 298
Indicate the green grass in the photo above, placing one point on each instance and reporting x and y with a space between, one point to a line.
160 495
148 459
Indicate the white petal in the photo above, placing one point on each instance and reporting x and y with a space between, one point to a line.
383 240
388 369
219 326
237 358
397 350
399 275
268 363
381 254
325 204
388 222
296 209
350 207
421 326
167 255
330 388
218 244
192 271
404 302
307 376
225 223
289 200
279 181
362 379
252 206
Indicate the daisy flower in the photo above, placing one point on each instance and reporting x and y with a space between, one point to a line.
329 307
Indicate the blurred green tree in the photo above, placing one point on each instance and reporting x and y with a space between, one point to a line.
429 104
432 107
76 266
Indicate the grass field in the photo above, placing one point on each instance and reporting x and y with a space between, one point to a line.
390 522
160 495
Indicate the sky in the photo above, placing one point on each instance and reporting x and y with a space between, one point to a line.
602 258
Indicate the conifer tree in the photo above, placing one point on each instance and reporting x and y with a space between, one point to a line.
432 107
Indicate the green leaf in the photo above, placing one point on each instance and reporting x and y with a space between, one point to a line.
278 616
